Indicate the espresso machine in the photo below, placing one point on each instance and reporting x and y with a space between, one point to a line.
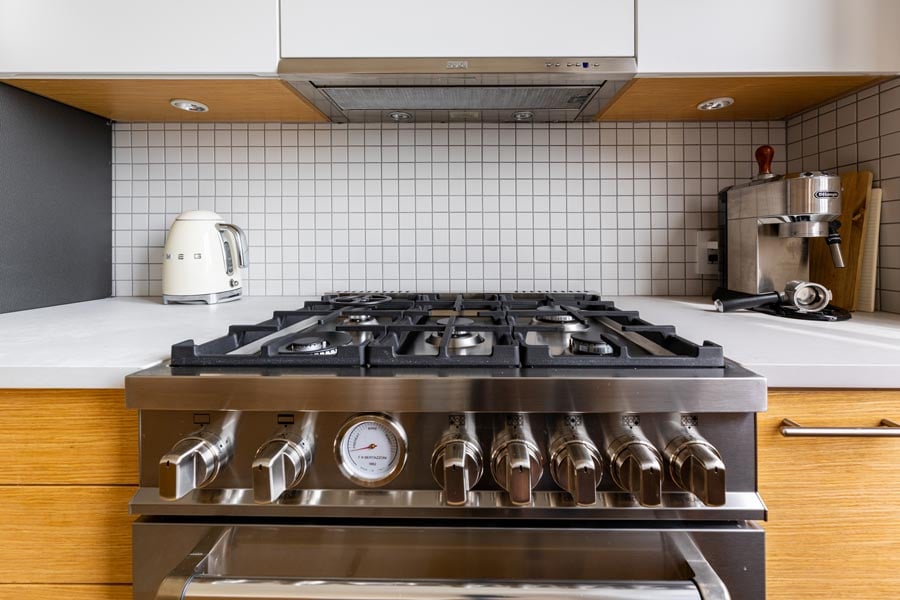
765 227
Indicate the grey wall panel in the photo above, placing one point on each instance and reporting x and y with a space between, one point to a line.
55 203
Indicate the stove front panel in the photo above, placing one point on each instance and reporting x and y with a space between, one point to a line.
326 490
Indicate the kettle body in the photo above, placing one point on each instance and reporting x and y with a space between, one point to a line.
202 260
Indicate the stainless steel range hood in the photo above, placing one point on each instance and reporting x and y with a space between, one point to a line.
468 60
440 90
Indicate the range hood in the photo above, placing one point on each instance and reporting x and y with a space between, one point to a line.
471 62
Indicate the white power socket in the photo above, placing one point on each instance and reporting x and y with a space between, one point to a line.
707 258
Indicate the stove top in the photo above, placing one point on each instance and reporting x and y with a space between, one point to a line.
390 330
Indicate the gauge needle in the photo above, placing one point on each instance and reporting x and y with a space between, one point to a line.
371 446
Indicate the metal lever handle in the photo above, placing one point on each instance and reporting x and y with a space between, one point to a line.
582 474
885 428
705 475
456 473
188 465
518 473
240 241
279 465
642 474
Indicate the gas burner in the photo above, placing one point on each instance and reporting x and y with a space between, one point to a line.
318 344
361 299
555 316
359 318
458 338
589 344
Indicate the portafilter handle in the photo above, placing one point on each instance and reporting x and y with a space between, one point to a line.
748 301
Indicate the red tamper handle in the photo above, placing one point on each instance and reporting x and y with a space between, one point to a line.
764 156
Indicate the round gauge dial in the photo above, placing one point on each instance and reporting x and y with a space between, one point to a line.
371 449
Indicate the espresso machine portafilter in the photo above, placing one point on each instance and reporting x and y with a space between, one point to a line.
765 228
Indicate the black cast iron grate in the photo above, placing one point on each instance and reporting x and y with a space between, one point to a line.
389 329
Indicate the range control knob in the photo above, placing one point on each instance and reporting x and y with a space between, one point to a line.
516 461
280 464
636 467
696 467
457 466
193 462
575 462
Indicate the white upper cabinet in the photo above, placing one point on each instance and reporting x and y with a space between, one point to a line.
768 36
140 37
462 28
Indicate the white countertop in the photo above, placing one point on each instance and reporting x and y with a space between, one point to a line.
95 344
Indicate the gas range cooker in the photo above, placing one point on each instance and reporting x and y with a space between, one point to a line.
501 410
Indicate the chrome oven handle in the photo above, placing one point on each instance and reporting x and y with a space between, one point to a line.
203 588
196 578
885 428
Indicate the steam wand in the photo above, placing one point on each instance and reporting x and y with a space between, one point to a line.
833 239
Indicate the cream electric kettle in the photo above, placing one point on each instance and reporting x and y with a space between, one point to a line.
202 260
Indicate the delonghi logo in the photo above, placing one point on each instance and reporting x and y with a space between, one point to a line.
826 194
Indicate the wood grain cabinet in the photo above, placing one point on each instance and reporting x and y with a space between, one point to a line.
68 467
834 503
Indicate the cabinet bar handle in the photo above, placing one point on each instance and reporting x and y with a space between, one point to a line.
885 428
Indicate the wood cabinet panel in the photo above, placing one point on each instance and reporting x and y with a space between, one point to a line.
66 592
67 436
67 534
834 503
253 100
755 98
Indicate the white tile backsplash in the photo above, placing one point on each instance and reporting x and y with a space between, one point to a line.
611 207
865 130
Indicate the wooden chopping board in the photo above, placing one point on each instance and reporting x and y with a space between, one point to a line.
868 271
856 188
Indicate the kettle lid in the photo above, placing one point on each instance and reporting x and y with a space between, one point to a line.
199 215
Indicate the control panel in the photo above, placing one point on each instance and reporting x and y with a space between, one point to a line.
451 460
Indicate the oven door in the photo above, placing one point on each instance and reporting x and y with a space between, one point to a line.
189 561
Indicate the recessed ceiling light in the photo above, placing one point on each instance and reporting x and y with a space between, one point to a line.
189 105
715 103
399 116
523 115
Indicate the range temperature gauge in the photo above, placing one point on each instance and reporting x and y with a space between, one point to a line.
371 449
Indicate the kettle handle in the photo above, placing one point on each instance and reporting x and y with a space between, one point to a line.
240 241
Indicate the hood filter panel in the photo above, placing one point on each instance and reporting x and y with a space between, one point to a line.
460 97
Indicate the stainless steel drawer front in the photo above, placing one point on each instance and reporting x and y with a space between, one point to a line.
193 561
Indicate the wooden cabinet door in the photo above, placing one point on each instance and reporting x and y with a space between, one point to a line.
834 503
68 467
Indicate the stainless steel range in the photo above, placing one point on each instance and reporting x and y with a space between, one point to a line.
448 446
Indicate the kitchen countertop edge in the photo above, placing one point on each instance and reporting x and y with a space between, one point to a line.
105 340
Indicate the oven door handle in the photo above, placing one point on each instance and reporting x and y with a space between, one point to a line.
195 579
